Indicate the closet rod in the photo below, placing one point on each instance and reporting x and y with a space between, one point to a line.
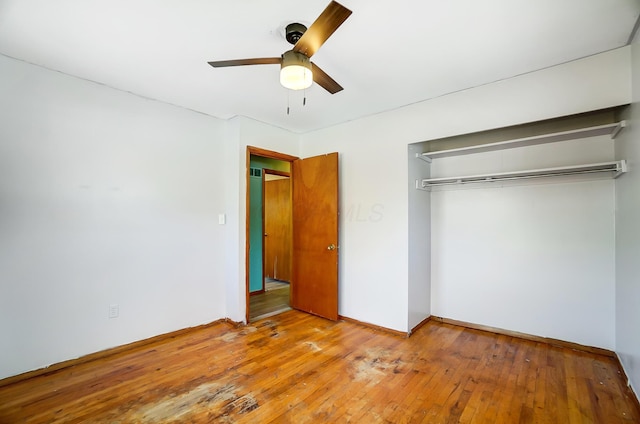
619 167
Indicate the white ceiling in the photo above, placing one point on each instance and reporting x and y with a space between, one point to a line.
386 55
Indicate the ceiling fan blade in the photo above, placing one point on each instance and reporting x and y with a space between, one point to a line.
242 62
321 78
319 31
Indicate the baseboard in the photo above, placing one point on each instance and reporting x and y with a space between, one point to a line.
228 321
547 340
373 326
420 324
109 352
632 392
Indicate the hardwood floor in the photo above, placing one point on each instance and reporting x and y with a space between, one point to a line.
274 300
298 368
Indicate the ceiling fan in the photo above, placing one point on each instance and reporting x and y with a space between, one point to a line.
296 69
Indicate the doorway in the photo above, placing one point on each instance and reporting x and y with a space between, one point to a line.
271 266
269 230
311 259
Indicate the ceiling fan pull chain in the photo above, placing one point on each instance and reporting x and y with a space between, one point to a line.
288 96
304 98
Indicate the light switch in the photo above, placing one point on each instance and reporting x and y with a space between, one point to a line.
222 219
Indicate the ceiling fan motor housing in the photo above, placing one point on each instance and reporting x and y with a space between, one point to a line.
294 31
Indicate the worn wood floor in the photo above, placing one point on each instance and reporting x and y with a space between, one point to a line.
297 368
274 300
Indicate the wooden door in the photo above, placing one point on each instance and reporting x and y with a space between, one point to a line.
277 227
314 287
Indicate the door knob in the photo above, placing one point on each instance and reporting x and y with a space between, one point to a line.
331 247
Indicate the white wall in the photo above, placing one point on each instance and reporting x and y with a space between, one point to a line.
374 285
235 224
373 227
105 198
419 283
628 237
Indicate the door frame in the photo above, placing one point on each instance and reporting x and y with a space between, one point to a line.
256 151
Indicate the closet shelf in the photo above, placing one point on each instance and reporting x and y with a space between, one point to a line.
616 167
608 129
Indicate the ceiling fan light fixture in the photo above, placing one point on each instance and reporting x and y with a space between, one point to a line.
295 71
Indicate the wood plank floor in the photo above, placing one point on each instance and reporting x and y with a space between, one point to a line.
274 300
297 368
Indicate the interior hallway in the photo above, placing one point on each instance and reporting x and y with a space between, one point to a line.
274 300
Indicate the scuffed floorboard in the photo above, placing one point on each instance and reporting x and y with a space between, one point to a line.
298 368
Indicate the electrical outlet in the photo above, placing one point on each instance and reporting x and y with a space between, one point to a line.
114 310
